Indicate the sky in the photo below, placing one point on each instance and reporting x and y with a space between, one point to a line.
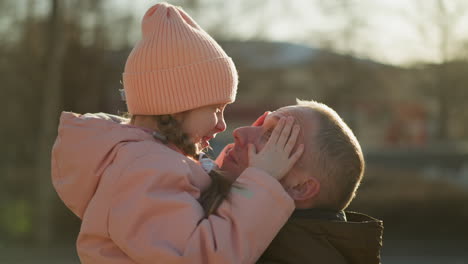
389 32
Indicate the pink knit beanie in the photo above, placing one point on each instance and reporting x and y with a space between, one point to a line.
176 66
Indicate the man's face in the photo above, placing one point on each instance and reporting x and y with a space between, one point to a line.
236 159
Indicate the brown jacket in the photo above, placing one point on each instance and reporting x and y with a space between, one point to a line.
315 236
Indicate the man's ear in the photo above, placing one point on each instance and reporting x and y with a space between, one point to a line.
305 190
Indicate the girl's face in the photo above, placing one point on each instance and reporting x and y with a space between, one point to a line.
202 124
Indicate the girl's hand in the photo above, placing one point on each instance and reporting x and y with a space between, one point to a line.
275 158
260 120
219 160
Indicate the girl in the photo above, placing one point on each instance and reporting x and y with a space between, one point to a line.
137 186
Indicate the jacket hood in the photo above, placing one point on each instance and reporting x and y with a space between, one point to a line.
305 240
85 146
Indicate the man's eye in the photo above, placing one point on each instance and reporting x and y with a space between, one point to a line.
267 134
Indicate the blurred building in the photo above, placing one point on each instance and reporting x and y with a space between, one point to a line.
380 102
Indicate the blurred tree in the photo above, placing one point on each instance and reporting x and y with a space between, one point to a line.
223 19
347 87
51 94
351 22
62 58
20 72
437 22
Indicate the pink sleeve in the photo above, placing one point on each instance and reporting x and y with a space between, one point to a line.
155 216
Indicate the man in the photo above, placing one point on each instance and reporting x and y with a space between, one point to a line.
322 183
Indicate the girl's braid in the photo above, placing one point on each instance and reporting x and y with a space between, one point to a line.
216 193
220 186
170 128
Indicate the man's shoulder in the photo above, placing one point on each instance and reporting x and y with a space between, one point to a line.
311 239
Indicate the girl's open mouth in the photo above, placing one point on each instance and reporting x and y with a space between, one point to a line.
205 142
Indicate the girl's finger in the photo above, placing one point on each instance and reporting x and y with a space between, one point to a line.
286 132
292 139
277 131
296 155
251 150
260 120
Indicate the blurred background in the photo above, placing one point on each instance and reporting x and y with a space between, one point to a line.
395 70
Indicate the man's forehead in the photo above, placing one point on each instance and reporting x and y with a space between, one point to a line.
274 114
271 116
300 114
283 112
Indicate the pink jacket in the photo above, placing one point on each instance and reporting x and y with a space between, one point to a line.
137 199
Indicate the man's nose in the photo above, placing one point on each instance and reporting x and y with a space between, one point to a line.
240 136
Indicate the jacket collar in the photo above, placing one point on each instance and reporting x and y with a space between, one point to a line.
320 214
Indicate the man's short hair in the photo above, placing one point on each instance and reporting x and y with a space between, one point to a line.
337 158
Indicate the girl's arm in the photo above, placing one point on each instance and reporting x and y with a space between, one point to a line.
155 215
